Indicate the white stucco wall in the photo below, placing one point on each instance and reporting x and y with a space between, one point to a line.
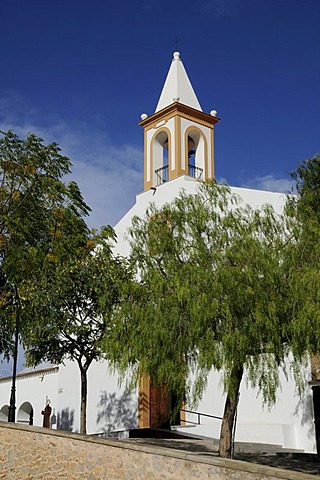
34 387
288 423
109 407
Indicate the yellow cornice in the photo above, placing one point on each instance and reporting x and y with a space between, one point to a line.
177 108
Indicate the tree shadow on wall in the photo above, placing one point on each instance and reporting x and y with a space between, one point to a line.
304 407
65 419
117 412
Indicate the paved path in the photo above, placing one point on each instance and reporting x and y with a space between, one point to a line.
293 462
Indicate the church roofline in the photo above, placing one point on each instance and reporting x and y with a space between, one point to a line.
31 373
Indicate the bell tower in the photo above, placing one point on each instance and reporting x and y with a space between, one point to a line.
178 140
178 136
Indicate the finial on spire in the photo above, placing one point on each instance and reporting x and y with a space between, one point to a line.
176 56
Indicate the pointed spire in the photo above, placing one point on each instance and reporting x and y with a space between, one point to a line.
177 87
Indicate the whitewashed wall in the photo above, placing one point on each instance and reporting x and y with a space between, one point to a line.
109 406
34 387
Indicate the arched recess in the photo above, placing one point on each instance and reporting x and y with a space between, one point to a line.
25 413
196 149
160 156
4 412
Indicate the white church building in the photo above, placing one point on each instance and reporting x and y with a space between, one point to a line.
178 154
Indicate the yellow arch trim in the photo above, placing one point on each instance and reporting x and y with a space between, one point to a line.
186 134
156 133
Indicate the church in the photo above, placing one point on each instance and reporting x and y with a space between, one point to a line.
178 154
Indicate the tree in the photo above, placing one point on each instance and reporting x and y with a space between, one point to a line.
213 284
77 301
304 212
307 178
305 280
39 213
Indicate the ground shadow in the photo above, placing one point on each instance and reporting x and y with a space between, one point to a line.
65 419
188 445
117 412
287 461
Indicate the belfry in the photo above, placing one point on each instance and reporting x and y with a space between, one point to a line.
178 136
178 141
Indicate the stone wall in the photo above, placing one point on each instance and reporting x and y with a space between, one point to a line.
41 454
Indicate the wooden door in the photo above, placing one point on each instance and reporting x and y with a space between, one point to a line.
159 406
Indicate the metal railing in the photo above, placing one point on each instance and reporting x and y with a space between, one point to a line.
199 415
162 173
195 172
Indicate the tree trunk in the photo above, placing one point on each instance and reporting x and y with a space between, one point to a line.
230 408
83 407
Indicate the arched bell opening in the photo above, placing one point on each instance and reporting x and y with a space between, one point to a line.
161 157
196 154
25 413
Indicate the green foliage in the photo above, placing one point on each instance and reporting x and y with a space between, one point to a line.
304 212
41 218
61 279
76 303
213 284
307 177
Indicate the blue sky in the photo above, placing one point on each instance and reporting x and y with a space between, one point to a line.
82 72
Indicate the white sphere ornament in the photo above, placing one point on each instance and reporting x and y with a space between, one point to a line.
176 99
213 113
144 116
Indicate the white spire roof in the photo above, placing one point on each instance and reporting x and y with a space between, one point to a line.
177 87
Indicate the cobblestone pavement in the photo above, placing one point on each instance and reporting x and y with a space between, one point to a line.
296 462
